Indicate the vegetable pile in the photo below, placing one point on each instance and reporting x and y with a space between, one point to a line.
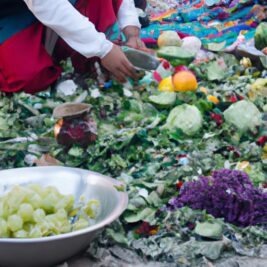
167 147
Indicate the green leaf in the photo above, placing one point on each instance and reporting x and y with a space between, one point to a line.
117 236
145 214
215 72
3 124
163 99
210 230
76 152
154 199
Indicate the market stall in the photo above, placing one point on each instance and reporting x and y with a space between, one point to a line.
188 141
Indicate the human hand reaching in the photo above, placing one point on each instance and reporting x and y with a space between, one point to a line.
117 63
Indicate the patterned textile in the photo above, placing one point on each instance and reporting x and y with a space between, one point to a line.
218 26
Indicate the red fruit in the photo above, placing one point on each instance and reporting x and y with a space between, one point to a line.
166 64
181 68
217 118
233 99
179 184
262 140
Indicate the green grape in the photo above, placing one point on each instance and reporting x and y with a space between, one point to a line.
66 202
38 215
3 210
35 200
16 196
14 222
66 227
80 224
35 232
48 203
4 232
27 227
34 211
91 208
20 234
26 212
62 214
44 228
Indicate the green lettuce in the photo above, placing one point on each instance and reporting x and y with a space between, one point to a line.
186 118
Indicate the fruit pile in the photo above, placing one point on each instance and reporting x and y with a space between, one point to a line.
34 211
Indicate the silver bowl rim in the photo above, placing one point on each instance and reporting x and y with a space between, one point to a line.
122 205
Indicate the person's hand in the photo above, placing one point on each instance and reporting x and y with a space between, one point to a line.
132 34
135 42
117 63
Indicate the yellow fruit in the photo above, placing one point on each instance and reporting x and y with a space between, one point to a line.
213 99
166 85
185 81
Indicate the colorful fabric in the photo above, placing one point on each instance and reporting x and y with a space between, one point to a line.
220 24
25 64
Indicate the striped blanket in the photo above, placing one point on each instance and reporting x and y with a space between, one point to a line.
218 26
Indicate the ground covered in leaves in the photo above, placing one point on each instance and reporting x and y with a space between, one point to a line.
135 146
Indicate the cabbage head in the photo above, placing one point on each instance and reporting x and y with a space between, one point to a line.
186 118
244 115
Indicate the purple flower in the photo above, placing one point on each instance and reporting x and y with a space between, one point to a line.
227 194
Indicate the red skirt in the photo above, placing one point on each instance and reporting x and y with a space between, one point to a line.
25 64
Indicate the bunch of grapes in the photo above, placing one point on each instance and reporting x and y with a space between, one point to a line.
33 211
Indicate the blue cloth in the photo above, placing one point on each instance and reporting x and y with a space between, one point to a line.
22 19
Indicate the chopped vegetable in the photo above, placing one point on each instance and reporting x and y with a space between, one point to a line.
244 115
186 118
176 55
163 99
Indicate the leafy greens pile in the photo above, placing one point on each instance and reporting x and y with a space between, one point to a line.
135 146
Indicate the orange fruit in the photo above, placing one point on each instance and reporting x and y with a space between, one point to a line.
185 81
166 85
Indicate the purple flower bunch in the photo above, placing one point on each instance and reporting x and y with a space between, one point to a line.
227 194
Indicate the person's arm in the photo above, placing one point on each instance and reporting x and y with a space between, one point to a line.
129 23
127 15
69 24
81 35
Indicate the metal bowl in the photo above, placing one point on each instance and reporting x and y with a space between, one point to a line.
48 251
